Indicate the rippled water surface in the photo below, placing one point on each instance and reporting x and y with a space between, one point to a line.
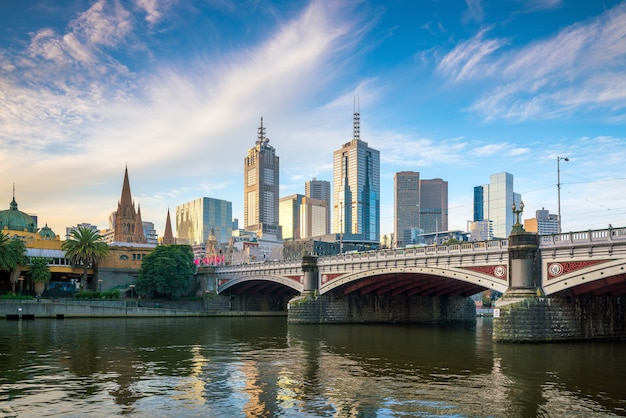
263 367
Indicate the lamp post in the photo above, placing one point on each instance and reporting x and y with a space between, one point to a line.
132 291
100 285
558 187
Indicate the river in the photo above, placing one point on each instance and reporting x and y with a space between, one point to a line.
264 367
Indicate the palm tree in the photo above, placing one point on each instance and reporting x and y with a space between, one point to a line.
11 257
84 248
39 273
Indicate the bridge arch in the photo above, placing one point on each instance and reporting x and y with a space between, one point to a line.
413 280
258 282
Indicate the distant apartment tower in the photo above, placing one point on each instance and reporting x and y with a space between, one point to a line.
261 188
420 205
493 202
69 229
544 223
302 217
320 189
196 219
356 189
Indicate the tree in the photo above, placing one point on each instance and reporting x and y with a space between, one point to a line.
11 257
39 273
166 271
85 247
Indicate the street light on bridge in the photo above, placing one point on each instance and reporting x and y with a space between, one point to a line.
558 187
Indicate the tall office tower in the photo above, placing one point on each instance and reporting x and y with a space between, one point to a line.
320 189
196 219
356 189
433 205
407 205
421 206
261 181
495 199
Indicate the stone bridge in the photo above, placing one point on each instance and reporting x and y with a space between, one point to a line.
574 283
567 264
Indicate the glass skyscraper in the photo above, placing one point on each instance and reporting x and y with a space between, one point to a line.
496 200
195 219
356 190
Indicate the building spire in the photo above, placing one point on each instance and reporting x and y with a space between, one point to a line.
357 120
168 238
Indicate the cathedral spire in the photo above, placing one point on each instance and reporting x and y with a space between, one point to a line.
168 238
139 236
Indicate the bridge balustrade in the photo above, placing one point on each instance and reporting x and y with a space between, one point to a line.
583 237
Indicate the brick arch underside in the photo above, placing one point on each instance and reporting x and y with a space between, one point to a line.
602 286
260 285
410 284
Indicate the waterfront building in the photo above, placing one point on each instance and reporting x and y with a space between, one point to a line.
39 243
196 219
544 223
356 189
261 189
320 189
493 202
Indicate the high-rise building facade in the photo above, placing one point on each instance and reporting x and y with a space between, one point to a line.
496 200
433 205
196 219
302 217
421 206
320 189
261 188
356 189
406 207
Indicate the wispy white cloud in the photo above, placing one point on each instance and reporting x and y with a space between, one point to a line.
579 68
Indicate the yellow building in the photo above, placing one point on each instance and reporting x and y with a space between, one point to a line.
39 243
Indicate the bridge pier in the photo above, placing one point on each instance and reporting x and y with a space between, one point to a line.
523 314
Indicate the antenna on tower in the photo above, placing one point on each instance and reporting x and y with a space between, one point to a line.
356 119
261 134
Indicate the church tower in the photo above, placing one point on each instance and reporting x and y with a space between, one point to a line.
168 238
128 225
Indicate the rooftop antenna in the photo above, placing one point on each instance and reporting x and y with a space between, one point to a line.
261 134
357 120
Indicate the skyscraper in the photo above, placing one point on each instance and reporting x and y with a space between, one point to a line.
495 199
302 217
320 189
196 219
421 206
261 188
406 206
356 189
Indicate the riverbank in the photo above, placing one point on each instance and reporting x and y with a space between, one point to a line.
70 308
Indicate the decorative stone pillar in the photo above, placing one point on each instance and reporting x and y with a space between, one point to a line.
523 248
309 267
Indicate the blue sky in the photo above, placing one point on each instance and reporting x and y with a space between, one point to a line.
175 90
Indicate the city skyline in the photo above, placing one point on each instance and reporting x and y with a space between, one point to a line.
175 93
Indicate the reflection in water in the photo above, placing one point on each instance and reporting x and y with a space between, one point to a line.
262 367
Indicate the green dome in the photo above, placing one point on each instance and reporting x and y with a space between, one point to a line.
16 220
47 233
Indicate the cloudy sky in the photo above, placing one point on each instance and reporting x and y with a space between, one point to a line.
174 90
